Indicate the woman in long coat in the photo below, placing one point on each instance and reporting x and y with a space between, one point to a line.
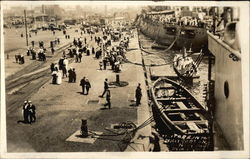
59 77
54 75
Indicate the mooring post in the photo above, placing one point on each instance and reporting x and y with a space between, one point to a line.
84 128
117 78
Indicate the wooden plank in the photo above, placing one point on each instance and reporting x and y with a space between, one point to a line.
189 110
172 99
170 87
182 105
191 121
193 126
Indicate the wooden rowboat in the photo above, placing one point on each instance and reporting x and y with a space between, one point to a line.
178 109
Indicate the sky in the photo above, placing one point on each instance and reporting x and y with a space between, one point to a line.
114 4
118 4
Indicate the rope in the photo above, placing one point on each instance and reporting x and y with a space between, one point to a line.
129 123
170 46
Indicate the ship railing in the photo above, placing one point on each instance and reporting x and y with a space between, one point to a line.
215 41
152 21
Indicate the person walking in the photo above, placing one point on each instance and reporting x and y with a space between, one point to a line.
52 67
106 86
59 77
64 71
52 50
33 43
25 112
73 76
32 112
22 59
108 99
60 63
88 52
80 57
138 94
87 85
70 75
54 76
100 65
82 84
104 63
16 57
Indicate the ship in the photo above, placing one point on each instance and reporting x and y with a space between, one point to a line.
178 108
228 90
166 34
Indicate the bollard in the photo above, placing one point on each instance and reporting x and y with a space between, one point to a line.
117 78
84 128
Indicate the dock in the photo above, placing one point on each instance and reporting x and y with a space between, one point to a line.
60 108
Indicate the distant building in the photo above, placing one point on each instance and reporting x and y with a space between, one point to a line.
52 10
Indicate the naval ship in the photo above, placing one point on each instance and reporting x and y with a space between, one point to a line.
185 117
188 36
228 108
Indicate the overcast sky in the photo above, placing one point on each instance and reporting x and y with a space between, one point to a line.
118 4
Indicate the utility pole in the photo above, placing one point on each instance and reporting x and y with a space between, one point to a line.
26 32
56 20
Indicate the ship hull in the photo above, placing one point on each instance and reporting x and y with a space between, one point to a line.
159 33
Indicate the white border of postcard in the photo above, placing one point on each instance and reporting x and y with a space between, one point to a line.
244 13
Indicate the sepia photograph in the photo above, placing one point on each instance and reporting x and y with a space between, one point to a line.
165 77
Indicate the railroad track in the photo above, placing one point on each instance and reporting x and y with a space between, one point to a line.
21 85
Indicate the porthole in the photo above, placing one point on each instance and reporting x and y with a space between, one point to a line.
226 89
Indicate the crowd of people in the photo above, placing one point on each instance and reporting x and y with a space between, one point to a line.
100 47
169 19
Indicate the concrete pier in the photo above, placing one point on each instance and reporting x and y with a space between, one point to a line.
60 109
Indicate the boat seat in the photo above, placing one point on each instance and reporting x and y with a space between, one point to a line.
193 126
181 105
172 99
167 87
191 121
192 110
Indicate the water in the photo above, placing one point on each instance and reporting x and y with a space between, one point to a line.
159 57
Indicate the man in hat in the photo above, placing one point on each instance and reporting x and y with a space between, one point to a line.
83 83
106 86
87 85
70 72
32 112
138 94
52 67
73 75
